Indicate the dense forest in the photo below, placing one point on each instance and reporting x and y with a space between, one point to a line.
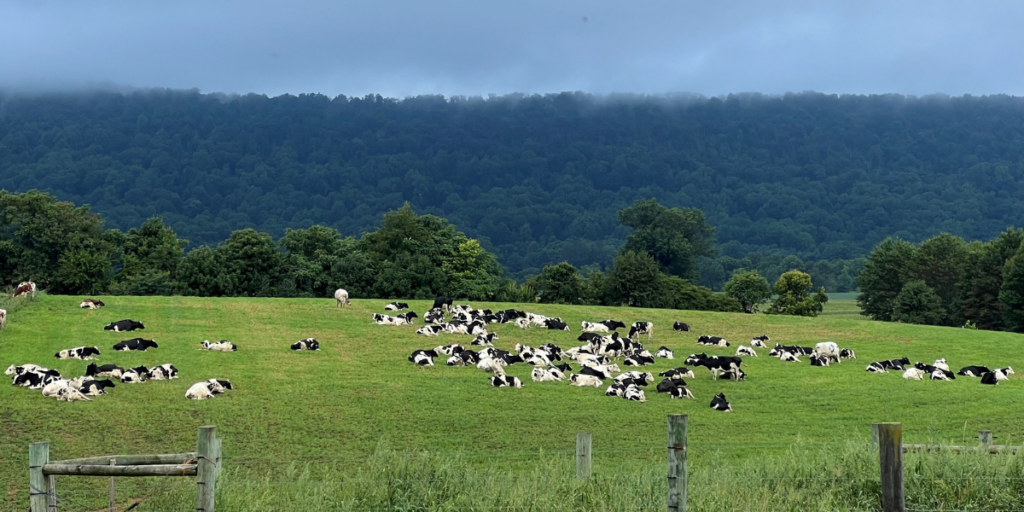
804 181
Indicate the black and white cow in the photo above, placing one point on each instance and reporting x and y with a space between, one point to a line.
789 357
668 385
847 353
166 371
973 371
443 303
423 357
18 370
594 327
990 378
430 330
759 341
36 380
207 389
599 371
819 361
680 392
680 326
546 375
634 394
124 326
940 374
878 367
434 316
827 349
639 328
91 304
677 373
913 374
564 367
135 375
96 387
219 346
306 344
665 352
135 344
583 380
484 340
82 353
396 306
505 381
613 324
556 325
107 370
719 403
406 318
714 341
733 373
744 350
638 360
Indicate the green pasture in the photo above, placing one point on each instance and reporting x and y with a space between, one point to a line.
332 409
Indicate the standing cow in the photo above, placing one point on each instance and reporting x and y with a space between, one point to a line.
26 288
341 296
3 318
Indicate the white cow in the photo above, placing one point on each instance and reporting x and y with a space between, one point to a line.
26 288
941 363
3 318
913 374
827 349
207 388
594 327
220 346
581 380
341 296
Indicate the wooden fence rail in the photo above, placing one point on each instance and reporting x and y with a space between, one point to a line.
204 464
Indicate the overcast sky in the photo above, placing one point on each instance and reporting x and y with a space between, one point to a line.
407 47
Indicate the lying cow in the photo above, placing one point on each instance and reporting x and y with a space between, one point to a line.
80 353
135 375
546 375
135 344
430 330
594 327
95 387
744 350
583 380
423 357
677 373
681 327
503 381
714 341
973 371
827 349
556 325
847 354
165 371
396 306
107 370
719 403
220 346
665 352
306 344
634 394
124 326
91 304
680 392
913 374
207 389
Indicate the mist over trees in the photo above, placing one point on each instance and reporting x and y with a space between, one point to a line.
807 181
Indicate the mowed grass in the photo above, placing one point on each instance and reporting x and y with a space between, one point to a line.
333 407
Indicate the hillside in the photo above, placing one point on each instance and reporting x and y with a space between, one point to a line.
537 178
331 408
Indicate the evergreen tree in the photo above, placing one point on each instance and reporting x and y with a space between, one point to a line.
882 278
1012 293
917 303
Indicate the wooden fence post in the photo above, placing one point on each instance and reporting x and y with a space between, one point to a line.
677 462
38 454
583 455
113 462
874 435
890 455
51 493
985 437
206 471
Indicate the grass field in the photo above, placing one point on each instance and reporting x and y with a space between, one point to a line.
331 409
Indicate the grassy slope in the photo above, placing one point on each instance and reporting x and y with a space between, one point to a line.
335 405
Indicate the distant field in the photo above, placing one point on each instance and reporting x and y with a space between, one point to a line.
333 407
843 305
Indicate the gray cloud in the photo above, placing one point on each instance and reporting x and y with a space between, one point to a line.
401 47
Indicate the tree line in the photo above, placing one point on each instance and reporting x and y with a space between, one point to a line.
805 181
947 281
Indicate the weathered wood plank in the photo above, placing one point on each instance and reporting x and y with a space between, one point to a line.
133 460
100 470
207 475
583 455
677 462
38 455
890 456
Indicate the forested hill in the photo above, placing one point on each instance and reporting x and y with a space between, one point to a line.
538 179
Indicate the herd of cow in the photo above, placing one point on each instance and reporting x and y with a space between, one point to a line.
939 370
53 384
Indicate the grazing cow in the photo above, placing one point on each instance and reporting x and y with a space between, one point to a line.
829 349
680 326
430 330
819 361
124 326
680 392
3 318
306 344
743 350
847 354
341 296
95 387
583 380
665 352
714 341
677 373
973 371
443 303
26 288
165 371
912 374
719 403
136 344
82 353
594 327
879 367
220 346
107 370
91 304
639 328
207 388
396 306
135 375
505 381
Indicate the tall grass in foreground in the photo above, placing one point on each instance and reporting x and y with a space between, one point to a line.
844 477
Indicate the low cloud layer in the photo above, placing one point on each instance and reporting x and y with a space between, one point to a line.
402 47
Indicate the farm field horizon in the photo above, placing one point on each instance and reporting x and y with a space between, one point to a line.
333 407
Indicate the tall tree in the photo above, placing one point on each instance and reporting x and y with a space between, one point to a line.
793 290
559 284
676 238
983 280
750 289
150 255
1012 293
636 281
940 262
882 278
251 263
917 303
